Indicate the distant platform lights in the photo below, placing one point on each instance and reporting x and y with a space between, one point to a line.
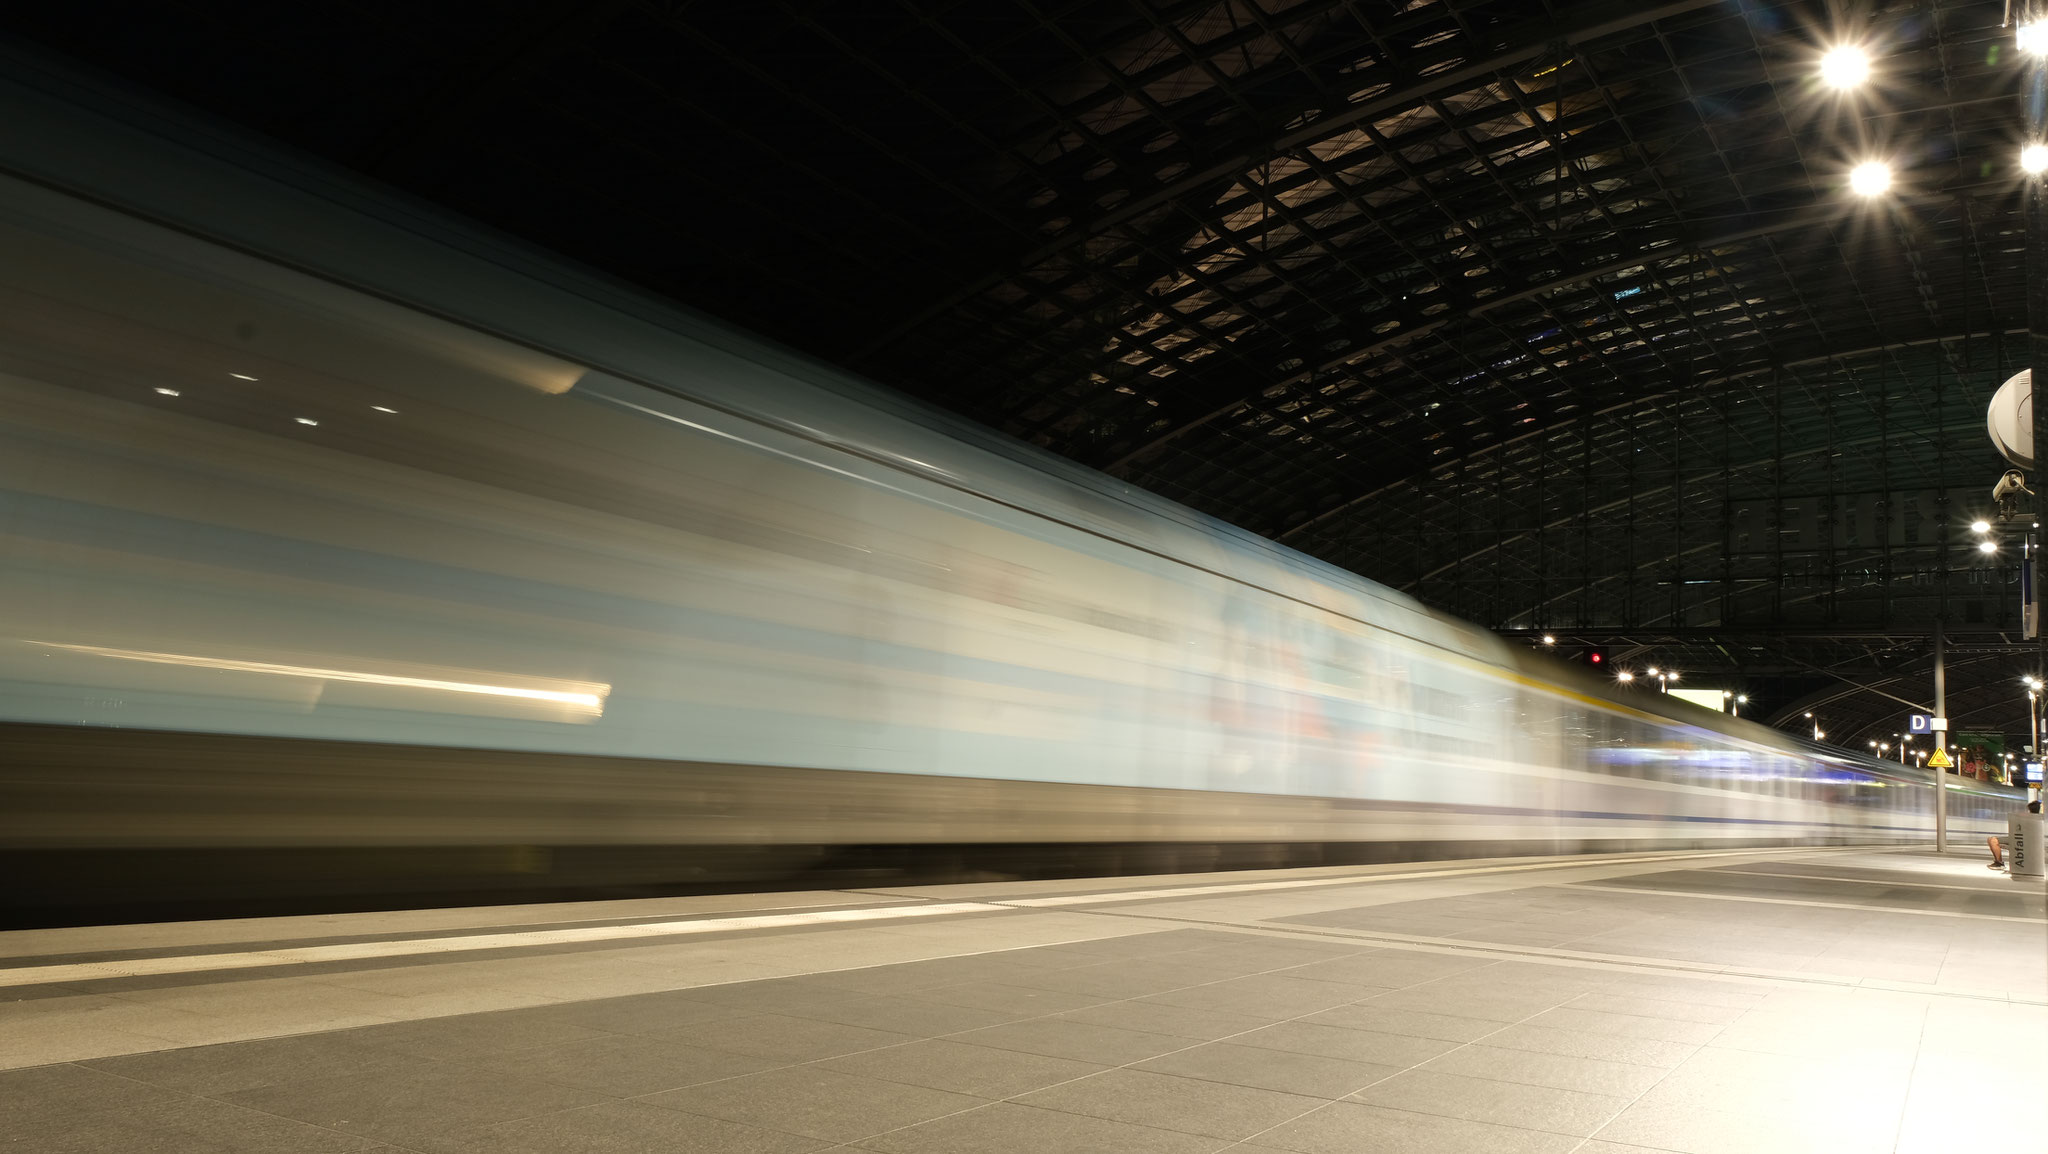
1664 678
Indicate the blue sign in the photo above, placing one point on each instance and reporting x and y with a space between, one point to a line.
1918 723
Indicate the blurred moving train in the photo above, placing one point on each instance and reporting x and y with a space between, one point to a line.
347 550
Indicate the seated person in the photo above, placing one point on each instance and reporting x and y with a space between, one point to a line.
1998 848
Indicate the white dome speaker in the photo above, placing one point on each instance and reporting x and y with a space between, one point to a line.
2011 420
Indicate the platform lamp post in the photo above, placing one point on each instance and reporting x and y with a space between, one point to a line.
1817 734
2030 21
1940 736
2033 685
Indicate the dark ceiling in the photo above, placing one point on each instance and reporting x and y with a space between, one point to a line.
1559 316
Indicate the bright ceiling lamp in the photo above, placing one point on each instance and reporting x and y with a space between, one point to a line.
2034 159
2033 38
1845 67
1870 178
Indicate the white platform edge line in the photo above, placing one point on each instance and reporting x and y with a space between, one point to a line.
1227 889
1864 909
516 939
306 955
1585 959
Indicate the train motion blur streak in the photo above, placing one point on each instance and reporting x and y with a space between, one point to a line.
303 591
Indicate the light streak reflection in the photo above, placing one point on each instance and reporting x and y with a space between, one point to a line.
585 696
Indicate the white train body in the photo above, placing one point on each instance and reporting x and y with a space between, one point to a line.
326 525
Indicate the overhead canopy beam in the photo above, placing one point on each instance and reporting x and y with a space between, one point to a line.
1528 41
1780 222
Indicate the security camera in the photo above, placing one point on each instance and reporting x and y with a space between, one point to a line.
2008 491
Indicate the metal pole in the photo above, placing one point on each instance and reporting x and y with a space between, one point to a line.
2034 114
1940 742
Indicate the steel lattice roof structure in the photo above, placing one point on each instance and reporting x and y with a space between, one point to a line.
1559 316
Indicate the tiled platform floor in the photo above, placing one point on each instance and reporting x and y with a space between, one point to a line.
1839 1001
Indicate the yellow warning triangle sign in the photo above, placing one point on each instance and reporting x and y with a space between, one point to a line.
1940 759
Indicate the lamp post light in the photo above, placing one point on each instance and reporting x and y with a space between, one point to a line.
1817 734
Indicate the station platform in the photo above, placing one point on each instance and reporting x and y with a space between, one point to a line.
1786 1000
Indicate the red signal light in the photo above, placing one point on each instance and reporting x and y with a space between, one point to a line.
1594 657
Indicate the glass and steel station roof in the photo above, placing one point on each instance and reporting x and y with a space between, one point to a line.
1562 316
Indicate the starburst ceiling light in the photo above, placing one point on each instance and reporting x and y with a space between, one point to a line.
1845 67
1870 178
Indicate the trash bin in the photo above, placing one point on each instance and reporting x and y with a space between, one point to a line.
2024 853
